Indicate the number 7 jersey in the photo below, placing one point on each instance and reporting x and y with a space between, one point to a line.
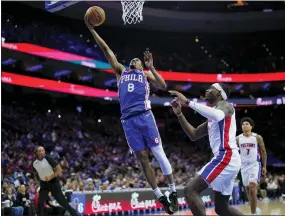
133 90
249 148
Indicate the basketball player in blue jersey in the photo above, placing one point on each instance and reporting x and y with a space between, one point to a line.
137 118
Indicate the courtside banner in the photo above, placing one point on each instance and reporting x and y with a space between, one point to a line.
168 76
127 201
69 88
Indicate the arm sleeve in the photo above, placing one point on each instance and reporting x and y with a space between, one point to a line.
207 112
51 161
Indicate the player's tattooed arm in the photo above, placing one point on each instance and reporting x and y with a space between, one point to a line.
117 67
153 76
192 133
263 153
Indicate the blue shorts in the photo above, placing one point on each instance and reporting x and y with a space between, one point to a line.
141 131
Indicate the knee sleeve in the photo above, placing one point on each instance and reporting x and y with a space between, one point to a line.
163 161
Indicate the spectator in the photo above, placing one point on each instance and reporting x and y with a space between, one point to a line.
11 197
272 188
281 183
263 187
23 200
90 185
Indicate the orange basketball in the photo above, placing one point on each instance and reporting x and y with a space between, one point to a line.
95 15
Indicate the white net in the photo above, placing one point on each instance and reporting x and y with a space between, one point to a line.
132 11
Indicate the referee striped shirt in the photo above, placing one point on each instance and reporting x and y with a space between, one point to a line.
44 167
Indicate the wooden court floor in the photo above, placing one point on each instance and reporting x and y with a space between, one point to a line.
268 208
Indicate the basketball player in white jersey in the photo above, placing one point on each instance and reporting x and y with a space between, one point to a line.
222 170
251 147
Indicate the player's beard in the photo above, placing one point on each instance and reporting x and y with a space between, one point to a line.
132 67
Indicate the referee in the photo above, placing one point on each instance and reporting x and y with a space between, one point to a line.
48 170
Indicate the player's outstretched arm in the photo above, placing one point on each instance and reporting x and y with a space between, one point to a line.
192 133
222 110
117 67
153 76
263 153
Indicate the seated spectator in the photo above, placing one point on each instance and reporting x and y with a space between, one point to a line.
31 189
263 187
4 186
90 185
6 210
282 187
162 182
272 188
10 200
23 199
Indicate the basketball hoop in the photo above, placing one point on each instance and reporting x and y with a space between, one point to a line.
132 11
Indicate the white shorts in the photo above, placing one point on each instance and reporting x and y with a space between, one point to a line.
250 172
221 171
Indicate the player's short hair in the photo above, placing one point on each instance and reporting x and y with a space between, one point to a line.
226 89
247 119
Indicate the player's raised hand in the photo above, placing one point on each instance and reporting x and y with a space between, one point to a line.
148 59
179 95
87 22
176 106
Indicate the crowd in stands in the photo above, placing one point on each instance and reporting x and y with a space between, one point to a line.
209 53
94 149
89 143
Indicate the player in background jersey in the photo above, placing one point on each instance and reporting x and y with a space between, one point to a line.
222 170
251 146
137 119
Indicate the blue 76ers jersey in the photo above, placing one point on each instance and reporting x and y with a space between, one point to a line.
133 89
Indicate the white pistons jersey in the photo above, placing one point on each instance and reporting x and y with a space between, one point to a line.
222 134
249 148
222 170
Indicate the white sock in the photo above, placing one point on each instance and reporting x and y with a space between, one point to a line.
258 211
172 187
157 192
